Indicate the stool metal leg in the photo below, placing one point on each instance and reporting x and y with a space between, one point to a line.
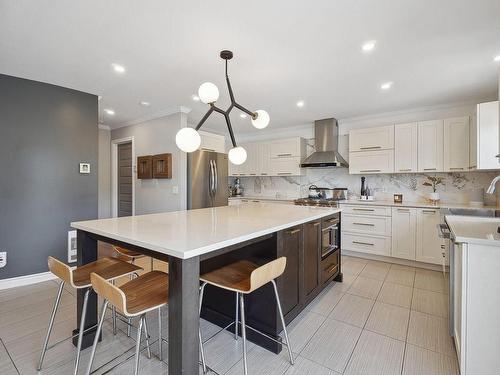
138 346
243 333
160 339
96 338
282 321
147 336
202 352
236 318
51 324
113 313
82 328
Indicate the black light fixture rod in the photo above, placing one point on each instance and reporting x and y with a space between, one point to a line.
241 108
230 89
230 128
207 115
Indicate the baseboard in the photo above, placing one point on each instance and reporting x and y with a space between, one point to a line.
26 280
401 262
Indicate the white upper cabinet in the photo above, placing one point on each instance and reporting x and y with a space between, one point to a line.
404 232
430 146
369 162
212 142
456 144
484 137
286 148
265 159
370 139
405 148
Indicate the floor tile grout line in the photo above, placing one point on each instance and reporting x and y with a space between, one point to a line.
10 357
408 327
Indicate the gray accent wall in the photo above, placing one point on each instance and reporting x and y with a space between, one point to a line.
45 132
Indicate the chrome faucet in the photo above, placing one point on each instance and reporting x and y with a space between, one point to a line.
491 188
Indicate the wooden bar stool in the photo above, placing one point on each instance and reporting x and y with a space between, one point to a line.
108 268
244 277
143 294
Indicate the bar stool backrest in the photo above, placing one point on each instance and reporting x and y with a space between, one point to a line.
61 270
108 291
264 274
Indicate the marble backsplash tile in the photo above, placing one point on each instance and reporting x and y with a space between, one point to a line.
457 187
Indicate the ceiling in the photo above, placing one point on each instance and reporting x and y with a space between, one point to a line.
435 52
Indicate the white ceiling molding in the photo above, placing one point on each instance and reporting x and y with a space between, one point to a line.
154 116
104 127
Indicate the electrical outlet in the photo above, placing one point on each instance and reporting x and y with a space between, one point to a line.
3 259
72 246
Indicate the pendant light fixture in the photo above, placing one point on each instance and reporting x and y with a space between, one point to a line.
189 140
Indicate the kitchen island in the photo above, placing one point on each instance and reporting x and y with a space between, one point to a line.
208 238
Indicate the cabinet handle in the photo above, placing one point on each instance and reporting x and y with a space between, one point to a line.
284 173
370 148
281 155
363 209
365 224
331 270
334 220
256 201
405 170
428 211
363 243
429 169
293 231
316 224
473 167
253 174
370 170
207 149
456 169
263 174
403 209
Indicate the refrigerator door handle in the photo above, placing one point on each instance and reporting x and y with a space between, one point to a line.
216 178
210 178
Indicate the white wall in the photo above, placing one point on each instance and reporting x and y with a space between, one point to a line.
156 137
104 173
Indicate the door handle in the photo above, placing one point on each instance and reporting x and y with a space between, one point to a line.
212 178
216 178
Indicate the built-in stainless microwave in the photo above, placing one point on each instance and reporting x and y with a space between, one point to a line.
330 237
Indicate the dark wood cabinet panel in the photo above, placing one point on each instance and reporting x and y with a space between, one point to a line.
162 166
312 254
145 167
289 246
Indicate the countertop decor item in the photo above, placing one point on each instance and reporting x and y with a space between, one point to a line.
433 181
398 198
189 140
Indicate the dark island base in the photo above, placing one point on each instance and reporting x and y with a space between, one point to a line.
261 309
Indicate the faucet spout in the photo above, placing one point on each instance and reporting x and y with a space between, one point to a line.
491 188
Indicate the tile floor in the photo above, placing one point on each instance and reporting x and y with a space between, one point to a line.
383 319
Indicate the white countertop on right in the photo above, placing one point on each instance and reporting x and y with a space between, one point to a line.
473 229
418 204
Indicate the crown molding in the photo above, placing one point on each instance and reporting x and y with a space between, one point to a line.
104 127
154 116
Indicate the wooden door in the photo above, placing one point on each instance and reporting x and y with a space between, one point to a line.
312 255
369 139
405 148
124 197
404 232
430 146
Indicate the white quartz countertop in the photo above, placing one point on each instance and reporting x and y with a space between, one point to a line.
473 229
264 198
418 204
185 234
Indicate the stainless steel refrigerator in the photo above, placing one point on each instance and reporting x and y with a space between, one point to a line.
207 179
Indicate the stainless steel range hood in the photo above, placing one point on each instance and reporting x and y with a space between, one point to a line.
326 134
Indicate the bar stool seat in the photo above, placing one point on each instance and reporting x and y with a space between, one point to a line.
128 253
145 293
79 278
243 277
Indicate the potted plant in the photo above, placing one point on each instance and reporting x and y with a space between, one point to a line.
433 181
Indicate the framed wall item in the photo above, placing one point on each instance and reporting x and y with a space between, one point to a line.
84 168
162 166
145 167
398 198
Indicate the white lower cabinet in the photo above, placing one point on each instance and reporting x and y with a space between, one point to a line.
430 248
377 245
404 232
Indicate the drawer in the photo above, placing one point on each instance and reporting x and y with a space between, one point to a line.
358 209
366 244
330 267
367 224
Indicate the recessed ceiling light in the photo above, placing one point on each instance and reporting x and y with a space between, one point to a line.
195 98
369 46
243 115
386 85
145 104
496 58
300 103
118 68
109 111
